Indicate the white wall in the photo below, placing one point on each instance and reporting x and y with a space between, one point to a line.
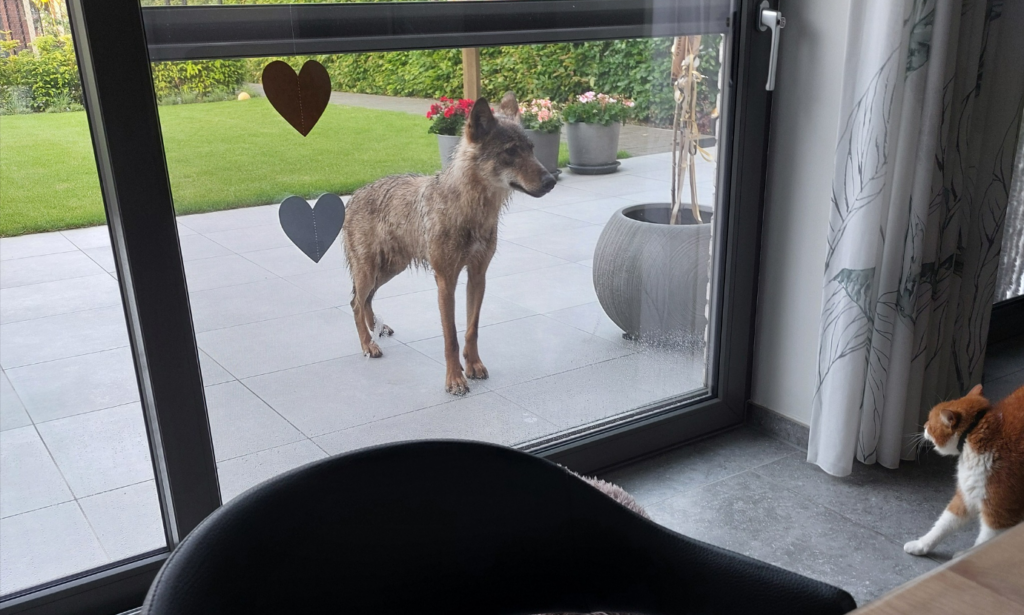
805 121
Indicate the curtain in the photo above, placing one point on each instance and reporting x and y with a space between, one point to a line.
933 92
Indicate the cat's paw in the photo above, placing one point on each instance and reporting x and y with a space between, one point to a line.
916 547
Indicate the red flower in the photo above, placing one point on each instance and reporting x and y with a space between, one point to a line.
449 111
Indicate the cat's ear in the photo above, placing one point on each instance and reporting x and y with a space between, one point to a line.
949 418
976 391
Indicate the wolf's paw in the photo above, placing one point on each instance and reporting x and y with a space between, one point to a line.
386 331
372 350
456 384
916 547
475 370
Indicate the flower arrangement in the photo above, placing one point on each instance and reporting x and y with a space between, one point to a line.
449 116
540 115
591 108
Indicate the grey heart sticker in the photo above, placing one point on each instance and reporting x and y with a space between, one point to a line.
312 229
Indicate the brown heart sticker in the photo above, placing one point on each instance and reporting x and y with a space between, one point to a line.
300 99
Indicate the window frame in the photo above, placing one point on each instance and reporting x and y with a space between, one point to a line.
114 62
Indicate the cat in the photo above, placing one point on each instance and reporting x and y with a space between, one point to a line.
990 472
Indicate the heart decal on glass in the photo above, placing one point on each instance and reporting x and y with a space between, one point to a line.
300 99
312 229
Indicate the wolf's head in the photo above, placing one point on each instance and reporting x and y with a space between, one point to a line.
498 148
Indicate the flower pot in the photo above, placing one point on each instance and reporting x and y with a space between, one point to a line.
592 148
545 147
446 144
651 278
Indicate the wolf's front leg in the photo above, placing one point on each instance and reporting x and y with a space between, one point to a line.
955 515
474 299
455 381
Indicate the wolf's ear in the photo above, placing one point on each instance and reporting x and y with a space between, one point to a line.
509 106
481 120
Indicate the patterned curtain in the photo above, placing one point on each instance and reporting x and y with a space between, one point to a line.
932 100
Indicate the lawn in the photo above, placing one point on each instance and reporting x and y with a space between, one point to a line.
219 155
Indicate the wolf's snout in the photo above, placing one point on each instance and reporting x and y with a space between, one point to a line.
547 183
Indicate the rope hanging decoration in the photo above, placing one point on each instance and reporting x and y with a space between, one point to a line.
685 132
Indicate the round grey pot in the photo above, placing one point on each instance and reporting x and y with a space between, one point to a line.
545 147
592 148
446 144
651 277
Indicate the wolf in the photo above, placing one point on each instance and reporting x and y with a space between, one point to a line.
446 222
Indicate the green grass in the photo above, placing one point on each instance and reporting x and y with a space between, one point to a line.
219 155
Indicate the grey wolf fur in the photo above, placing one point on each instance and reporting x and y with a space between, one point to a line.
447 222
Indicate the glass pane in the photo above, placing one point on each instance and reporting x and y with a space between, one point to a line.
76 480
1010 277
596 308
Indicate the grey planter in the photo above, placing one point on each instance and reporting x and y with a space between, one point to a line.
545 147
652 278
446 144
592 148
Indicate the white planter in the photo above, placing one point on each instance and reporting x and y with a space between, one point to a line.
446 145
593 147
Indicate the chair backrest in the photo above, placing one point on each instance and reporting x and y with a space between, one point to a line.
457 528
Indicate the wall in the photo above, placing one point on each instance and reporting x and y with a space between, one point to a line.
804 131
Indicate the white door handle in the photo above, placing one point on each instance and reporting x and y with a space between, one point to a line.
775 21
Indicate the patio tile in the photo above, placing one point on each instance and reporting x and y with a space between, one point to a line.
212 372
242 424
331 285
29 477
578 392
570 244
622 184
512 257
62 336
564 192
61 297
67 387
590 318
47 268
239 474
289 260
12 412
753 516
409 281
91 237
103 257
596 211
218 308
184 231
416 316
350 391
530 348
36 244
230 219
221 271
46 544
101 450
486 418
283 343
252 238
533 222
195 247
127 521
546 290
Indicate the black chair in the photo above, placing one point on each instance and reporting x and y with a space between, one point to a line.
457 528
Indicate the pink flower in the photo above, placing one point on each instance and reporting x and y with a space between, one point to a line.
544 115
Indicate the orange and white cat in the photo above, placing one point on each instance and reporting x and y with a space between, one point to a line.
990 472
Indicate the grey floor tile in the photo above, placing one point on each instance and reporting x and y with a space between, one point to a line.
409 281
62 336
221 271
103 257
48 268
184 231
750 515
533 222
546 290
571 245
283 343
29 477
343 393
44 545
1004 358
12 411
566 191
699 464
289 260
415 316
486 418
127 521
999 388
218 308
36 244
597 211
212 372
331 285
622 185
530 348
101 450
230 219
604 389
61 297
239 474
590 318
67 387
510 257
252 238
242 424
195 247
901 504
91 237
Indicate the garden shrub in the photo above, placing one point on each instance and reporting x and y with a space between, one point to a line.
50 76
203 80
